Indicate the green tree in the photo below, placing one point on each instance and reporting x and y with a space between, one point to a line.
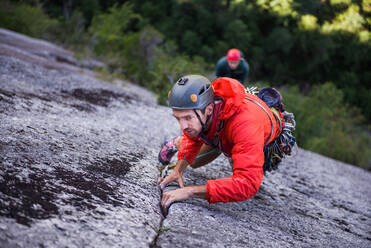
25 18
325 124
111 30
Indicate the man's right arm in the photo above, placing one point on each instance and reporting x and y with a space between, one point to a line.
176 174
245 71
186 154
219 69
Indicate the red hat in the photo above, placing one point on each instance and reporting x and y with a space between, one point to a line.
234 54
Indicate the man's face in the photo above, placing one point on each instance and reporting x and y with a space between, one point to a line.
188 120
233 64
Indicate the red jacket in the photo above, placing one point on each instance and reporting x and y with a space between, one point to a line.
246 129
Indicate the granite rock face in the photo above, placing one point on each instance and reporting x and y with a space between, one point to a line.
43 53
78 164
311 201
78 168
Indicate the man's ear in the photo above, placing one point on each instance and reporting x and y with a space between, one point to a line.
209 109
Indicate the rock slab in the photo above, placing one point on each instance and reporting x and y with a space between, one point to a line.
78 163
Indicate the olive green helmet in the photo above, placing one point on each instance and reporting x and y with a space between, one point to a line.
191 92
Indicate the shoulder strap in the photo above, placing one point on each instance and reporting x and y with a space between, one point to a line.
216 143
270 118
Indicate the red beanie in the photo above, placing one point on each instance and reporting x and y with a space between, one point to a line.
234 54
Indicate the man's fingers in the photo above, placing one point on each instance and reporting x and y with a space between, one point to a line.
164 182
159 180
180 181
166 201
172 177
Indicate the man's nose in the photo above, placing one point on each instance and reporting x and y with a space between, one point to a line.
183 124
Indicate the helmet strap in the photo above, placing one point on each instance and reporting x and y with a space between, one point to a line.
203 125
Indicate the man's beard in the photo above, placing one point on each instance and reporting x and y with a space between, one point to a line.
191 132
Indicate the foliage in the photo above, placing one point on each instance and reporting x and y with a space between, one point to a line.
111 29
71 33
350 21
168 69
327 125
25 18
285 42
128 50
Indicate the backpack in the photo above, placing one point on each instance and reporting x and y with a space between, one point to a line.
283 145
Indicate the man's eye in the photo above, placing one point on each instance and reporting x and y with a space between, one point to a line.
188 118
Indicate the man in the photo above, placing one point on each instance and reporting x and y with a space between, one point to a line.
217 118
233 66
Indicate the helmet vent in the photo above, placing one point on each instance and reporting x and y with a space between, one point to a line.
182 81
203 89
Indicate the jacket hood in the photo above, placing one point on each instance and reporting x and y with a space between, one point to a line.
233 94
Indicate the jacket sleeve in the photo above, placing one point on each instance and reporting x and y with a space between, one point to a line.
189 148
248 159
246 71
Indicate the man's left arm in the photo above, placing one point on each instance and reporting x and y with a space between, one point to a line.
219 69
245 67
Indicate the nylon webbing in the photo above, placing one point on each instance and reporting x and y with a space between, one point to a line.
215 150
203 125
270 118
207 140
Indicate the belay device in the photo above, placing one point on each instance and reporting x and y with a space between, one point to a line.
285 142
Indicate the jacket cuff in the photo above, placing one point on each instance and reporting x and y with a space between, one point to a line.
208 191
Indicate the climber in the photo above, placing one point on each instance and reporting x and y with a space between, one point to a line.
233 66
217 118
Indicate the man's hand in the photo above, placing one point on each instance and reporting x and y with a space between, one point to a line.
174 176
169 197
181 194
